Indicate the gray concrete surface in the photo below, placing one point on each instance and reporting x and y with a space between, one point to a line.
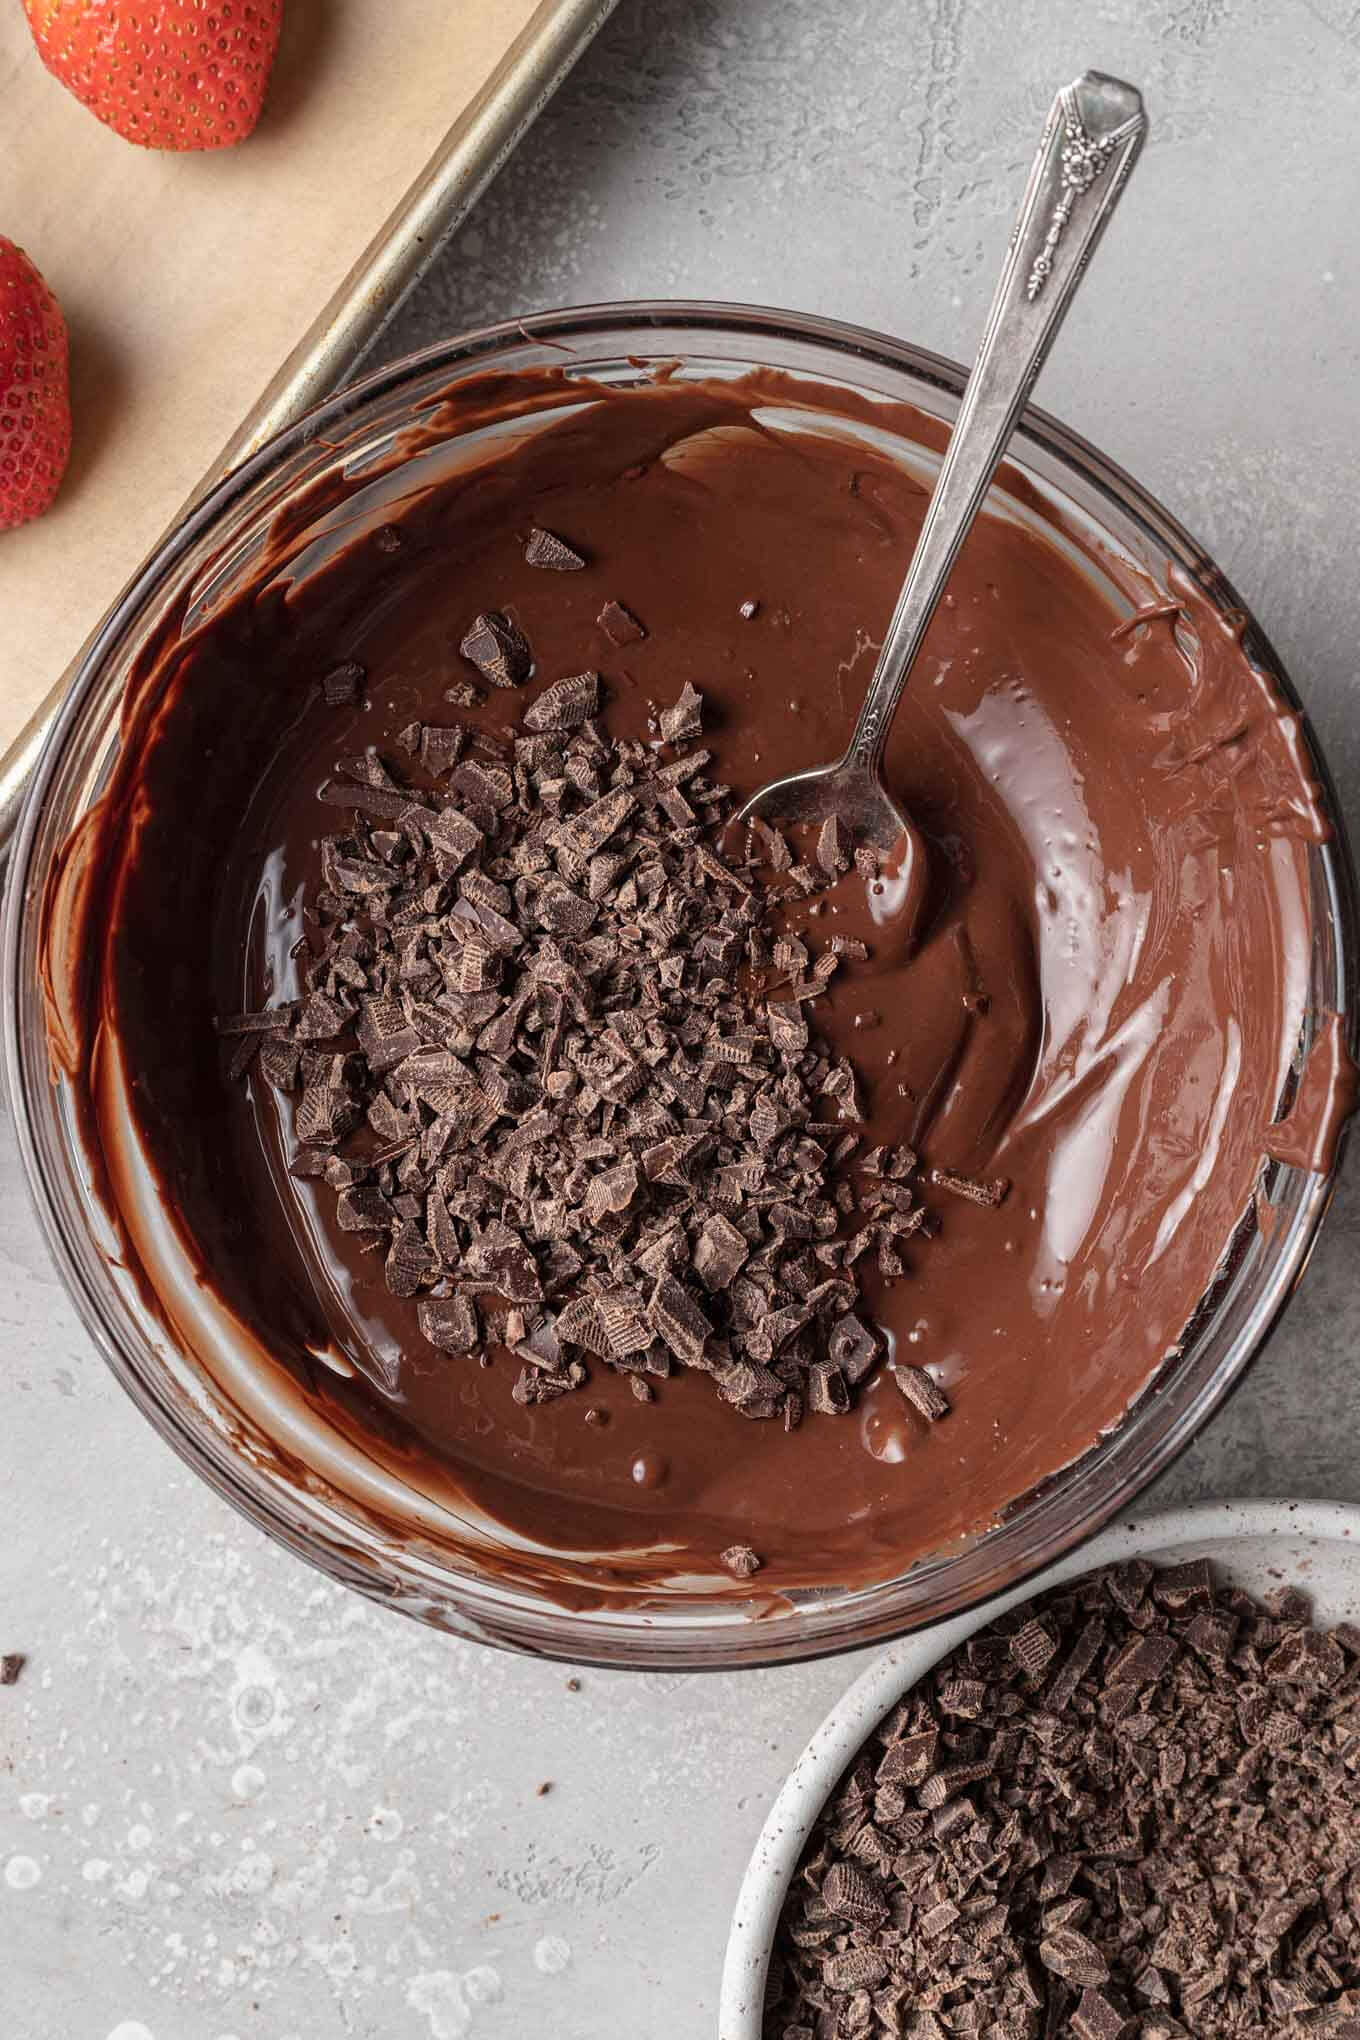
237 1804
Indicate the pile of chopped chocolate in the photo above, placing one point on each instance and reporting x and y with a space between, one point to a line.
556 1057
1130 1811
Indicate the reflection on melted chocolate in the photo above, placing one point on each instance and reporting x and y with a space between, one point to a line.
1101 1005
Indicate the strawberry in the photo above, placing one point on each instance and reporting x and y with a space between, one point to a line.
170 74
35 408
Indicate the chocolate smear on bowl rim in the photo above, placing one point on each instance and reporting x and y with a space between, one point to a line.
560 1067
1127 1812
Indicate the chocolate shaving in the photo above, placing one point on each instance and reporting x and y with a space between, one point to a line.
11 1665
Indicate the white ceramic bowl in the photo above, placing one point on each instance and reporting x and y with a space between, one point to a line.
1256 1545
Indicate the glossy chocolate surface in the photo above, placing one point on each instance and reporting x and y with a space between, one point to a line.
1103 1006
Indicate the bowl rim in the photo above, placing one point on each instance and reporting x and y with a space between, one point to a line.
583 1639
844 1729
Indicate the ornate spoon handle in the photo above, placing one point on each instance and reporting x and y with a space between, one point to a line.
1092 138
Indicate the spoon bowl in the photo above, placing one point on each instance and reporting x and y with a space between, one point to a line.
854 794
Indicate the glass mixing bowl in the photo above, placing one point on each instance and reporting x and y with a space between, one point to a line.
421 1574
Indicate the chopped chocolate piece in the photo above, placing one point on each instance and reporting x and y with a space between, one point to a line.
909 1760
464 694
11 1665
921 1390
741 1560
364 1208
1127 1584
1032 1647
856 1969
827 1391
1071 1956
546 549
274 1020
1183 1589
1075 1666
684 721
409 1264
325 1114
499 652
565 704
385 1035
1100 2016
719 1253
279 1061
321 1018
1306 1658
971 1187
619 625
854 1348
1144 1659
624 1321
343 684
450 1323
788 1029
677 1319
454 839
441 747
833 848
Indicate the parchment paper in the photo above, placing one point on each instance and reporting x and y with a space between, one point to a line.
186 279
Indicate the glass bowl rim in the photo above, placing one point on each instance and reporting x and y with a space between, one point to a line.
665 1638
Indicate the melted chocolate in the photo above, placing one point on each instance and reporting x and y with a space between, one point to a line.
1102 1003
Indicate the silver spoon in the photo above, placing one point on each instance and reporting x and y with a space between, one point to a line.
1091 140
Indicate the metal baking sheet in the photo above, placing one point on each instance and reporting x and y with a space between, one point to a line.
335 346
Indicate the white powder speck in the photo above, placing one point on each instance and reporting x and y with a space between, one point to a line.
139 1837
96 1870
247 1782
552 1955
22 1873
131 2029
384 1824
439 1995
483 1985
34 1805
